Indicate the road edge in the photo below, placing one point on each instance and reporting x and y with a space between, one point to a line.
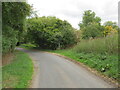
95 72
34 82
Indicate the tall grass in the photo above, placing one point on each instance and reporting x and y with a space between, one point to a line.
104 45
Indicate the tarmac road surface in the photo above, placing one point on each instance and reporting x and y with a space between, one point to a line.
56 72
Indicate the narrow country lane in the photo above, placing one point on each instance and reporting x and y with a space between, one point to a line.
56 72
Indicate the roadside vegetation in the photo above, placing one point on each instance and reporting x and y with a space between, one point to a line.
13 24
94 44
50 33
103 58
18 73
104 45
100 54
97 46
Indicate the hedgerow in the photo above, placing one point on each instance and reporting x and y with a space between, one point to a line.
13 23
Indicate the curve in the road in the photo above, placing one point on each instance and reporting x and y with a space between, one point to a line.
57 72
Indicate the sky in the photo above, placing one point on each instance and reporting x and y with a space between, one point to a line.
72 10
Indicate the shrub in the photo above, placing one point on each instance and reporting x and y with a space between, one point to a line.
9 39
50 33
13 23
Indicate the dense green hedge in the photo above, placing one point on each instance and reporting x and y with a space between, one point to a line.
50 32
13 23
8 40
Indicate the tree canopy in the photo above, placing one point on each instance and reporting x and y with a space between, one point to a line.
90 26
50 32
112 24
13 23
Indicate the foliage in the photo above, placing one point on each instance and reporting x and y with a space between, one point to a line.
103 45
28 46
9 39
50 32
88 18
13 23
93 30
90 25
78 35
112 24
19 72
109 30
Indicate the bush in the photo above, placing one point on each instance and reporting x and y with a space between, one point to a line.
92 30
13 23
28 45
9 39
50 33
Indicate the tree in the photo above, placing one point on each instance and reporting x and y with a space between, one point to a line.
92 30
90 26
112 24
50 32
89 18
13 23
109 30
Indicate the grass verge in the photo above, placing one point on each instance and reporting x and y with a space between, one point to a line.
18 73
